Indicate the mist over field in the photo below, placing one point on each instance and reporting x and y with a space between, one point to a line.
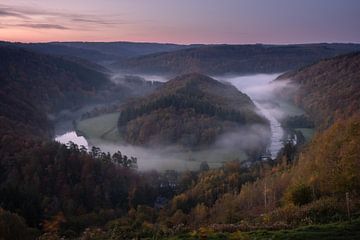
119 77
229 146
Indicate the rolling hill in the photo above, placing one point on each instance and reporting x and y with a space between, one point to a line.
329 89
233 59
34 85
190 110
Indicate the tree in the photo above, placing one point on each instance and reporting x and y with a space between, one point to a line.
204 166
117 158
13 227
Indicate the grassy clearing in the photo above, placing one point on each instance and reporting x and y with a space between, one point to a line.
307 132
289 108
333 231
100 127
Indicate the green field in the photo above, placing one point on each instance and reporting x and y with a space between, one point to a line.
292 110
307 132
334 231
100 127
289 108
102 131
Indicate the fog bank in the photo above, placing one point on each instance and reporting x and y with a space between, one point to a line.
262 91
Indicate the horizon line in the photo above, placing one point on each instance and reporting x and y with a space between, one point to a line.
175 43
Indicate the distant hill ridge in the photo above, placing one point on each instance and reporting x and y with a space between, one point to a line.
98 52
235 59
175 59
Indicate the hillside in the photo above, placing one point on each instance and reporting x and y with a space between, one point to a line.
34 85
329 89
190 110
236 59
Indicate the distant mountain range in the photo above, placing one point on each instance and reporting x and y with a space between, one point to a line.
98 52
175 59
190 110
233 59
329 89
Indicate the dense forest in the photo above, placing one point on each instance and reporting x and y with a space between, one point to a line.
329 89
68 192
190 110
34 85
233 59
50 184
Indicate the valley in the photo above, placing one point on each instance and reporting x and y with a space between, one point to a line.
101 131
238 151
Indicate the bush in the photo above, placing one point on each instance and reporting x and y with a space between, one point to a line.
300 195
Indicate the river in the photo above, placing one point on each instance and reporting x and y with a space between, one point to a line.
72 137
261 92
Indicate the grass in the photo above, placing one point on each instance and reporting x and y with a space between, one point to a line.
332 231
343 230
307 132
289 108
100 127
102 131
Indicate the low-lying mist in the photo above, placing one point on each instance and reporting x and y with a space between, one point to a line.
264 92
230 146
118 77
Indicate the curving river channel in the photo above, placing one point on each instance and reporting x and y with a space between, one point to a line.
259 89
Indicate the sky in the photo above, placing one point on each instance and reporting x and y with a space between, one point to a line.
181 21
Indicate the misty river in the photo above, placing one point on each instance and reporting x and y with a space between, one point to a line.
72 137
257 87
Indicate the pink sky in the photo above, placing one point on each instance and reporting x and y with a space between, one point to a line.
181 21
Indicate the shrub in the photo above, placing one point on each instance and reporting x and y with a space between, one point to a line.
300 195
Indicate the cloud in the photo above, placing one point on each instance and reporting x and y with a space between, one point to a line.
30 17
42 26
96 21
6 13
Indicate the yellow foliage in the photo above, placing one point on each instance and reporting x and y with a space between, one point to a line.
53 225
332 162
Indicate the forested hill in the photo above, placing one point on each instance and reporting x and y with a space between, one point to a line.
125 49
190 110
237 59
33 85
329 89
98 52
